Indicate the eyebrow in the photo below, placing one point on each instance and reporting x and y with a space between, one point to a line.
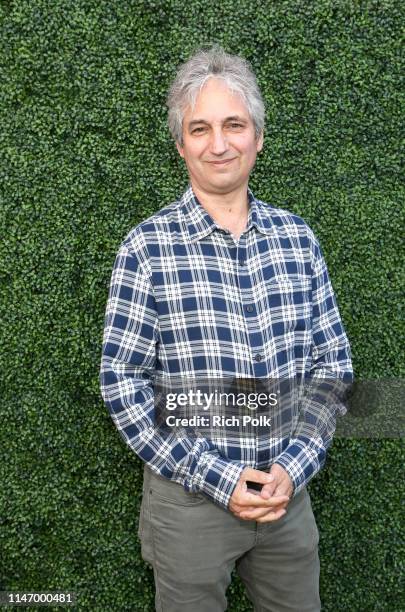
203 121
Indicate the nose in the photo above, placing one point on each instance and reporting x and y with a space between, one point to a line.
218 143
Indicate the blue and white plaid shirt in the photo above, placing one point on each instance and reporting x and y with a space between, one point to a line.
187 299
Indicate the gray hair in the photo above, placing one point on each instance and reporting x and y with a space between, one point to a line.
192 76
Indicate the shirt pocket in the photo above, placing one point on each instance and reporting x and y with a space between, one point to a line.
290 302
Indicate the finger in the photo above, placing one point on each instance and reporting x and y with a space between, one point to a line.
239 514
283 489
253 515
238 509
248 499
272 516
268 491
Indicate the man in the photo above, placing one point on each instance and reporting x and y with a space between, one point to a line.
220 284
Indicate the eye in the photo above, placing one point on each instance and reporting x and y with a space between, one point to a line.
198 130
235 126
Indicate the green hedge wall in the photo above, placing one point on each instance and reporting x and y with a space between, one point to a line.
86 155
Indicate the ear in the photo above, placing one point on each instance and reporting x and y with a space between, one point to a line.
259 145
180 149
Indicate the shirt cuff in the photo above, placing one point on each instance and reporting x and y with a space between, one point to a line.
301 460
219 479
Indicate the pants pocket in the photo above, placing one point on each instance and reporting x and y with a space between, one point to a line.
145 528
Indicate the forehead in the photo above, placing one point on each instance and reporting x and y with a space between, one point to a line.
214 102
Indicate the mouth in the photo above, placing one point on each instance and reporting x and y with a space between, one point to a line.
222 162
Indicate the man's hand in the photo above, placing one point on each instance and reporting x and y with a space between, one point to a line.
268 504
279 488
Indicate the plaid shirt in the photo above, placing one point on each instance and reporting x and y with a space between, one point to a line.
187 299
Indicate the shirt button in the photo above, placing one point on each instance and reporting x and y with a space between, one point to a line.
258 357
242 262
249 308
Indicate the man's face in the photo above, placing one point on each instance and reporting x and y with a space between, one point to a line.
219 143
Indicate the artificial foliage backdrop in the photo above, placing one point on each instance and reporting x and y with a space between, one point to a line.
86 155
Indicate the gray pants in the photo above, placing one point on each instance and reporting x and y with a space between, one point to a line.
193 546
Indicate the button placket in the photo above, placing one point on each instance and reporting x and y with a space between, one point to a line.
254 336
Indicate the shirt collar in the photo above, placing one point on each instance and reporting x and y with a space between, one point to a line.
198 223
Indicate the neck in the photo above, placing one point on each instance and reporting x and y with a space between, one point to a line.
233 204
228 210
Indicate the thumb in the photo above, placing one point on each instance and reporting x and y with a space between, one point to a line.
268 490
257 476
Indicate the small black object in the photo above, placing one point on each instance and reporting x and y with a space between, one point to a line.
256 486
